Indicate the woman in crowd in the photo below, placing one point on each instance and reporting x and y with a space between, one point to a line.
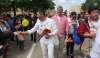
84 28
69 41
19 38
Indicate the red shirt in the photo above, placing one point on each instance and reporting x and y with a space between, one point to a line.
83 27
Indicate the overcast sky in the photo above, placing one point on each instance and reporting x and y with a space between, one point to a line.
68 3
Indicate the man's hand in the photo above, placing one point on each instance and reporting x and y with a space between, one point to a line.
23 33
6 29
65 42
46 31
93 34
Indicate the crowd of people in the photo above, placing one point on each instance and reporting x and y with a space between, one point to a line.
8 27
54 32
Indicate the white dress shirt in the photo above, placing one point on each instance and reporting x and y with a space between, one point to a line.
47 24
97 39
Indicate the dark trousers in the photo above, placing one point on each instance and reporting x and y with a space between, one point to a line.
33 38
4 40
2 51
70 49
21 45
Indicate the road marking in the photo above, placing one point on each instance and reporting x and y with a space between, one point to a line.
31 51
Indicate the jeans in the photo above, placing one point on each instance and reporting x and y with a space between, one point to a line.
47 47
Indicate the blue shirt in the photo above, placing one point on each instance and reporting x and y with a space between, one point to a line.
10 24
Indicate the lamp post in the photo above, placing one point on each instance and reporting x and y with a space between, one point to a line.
14 8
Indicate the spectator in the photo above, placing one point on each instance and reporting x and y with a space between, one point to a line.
83 30
19 38
10 22
4 36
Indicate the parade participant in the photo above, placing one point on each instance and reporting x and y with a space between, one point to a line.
62 25
46 28
95 30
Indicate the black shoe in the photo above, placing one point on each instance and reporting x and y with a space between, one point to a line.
71 56
87 56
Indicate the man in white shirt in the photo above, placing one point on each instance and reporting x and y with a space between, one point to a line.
46 42
95 52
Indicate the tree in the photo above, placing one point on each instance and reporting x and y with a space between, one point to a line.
7 5
91 3
4 5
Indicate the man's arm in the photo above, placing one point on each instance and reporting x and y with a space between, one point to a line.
67 27
35 28
97 33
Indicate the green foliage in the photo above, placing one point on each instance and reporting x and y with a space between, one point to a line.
7 5
90 3
4 5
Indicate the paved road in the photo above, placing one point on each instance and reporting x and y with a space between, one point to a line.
14 52
33 50
78 54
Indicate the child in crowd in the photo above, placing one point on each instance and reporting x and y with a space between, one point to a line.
20 38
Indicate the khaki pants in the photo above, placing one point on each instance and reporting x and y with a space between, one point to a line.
58 52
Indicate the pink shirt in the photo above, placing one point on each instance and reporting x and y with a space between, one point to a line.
62 24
